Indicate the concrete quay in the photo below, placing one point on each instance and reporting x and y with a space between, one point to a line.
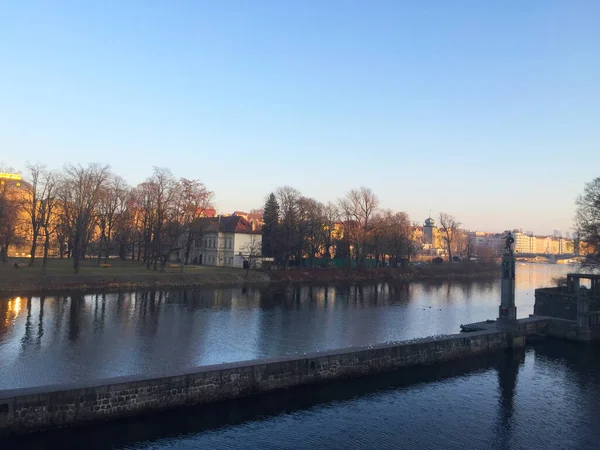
45 407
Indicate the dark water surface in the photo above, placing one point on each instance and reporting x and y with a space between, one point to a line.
58 339
547 397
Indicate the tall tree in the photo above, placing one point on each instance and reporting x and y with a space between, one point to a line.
47 216
79 193
35 190
195 199
449 228
270 226
252 250
588 222
288 199
164 190
358 208
124 234
145 218
112 201
330 220
311 228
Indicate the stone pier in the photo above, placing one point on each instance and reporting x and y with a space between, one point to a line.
31 409
508 309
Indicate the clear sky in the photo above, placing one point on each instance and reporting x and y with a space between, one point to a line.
487 110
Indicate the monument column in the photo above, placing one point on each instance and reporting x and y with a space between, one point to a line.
508 310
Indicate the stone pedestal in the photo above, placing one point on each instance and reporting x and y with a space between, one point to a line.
508 310
583 320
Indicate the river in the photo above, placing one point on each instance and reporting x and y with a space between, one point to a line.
57 339
546 397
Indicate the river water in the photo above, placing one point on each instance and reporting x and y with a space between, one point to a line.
546 397
58 339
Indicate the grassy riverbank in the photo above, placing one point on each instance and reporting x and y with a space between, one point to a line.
119 276
122 275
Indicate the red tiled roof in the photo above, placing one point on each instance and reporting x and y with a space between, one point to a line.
209 212
226 224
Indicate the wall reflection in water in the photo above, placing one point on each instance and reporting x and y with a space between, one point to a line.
57 339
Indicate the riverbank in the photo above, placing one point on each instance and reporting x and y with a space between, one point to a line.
130 275
460 271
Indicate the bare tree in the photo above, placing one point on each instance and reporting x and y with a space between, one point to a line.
398 241
252 251
47 215
331 217
145 219
358 208
112 197
307 225
588 222
195 199
35 190
79 193
163 189
313 229
288 199
40 208
170 210
449 227
124 223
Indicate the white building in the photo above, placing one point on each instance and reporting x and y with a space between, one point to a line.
223 241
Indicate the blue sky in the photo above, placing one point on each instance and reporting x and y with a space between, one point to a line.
486 110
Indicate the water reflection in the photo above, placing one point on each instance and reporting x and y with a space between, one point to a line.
55 339
508 373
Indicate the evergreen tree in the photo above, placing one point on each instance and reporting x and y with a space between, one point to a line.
270 227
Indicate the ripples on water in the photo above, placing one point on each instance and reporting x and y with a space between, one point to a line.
546 398
55 339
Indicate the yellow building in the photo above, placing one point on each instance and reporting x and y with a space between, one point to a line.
523 243
16 226
429 238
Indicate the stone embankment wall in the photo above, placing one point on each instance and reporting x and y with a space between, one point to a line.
553 302
25 410
558 302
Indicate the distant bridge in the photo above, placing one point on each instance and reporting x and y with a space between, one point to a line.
549 256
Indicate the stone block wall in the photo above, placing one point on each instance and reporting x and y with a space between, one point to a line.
552 302
555 302
24 410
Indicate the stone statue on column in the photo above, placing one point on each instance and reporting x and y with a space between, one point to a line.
508 242
508 309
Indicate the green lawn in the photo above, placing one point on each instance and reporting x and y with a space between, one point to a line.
90 267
